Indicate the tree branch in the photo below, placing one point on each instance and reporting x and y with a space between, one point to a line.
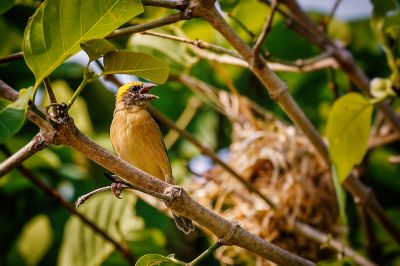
205 150
36 144
279 93
66 133
150 25
311 31
277 89
309 231
11 57
322 238
366 198
173 4
266 28
184 119
234 58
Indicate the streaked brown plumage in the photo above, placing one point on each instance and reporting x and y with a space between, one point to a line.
137 139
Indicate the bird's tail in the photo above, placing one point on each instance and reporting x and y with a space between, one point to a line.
183 223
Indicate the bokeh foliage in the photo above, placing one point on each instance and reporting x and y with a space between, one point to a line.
27 216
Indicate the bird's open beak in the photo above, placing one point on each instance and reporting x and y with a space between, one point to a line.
145 91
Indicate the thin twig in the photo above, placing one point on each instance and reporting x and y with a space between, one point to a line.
305 229
11 57
372 245
205 254
119 245
366 197
52 96
234 58
377 141
332 13
173 4
198 43
36 144
82 199
150 25
205 150
242 26
266 28
50 92
182 122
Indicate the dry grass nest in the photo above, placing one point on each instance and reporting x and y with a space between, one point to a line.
279 161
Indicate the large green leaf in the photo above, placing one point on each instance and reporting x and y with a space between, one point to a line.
348 128
58 27
12 116
82 246
139 64
97 48
156 260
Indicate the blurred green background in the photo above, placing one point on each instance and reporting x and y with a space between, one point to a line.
35 230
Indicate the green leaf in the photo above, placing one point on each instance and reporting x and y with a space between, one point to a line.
35 239
348 128
57 28
6 5
97 48
155 260
82 246
139 64
12 116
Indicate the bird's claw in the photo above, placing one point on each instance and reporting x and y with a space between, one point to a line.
116 188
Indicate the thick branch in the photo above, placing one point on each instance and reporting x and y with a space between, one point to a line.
68 134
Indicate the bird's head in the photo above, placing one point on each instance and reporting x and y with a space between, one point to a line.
136 93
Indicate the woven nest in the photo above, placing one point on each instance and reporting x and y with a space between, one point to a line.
279 161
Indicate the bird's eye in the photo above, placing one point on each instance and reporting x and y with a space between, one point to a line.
134 89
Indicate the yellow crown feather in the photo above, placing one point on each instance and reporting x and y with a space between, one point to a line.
124 88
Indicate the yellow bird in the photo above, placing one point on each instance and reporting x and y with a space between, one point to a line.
137 139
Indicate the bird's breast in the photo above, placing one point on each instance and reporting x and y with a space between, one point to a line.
137 139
